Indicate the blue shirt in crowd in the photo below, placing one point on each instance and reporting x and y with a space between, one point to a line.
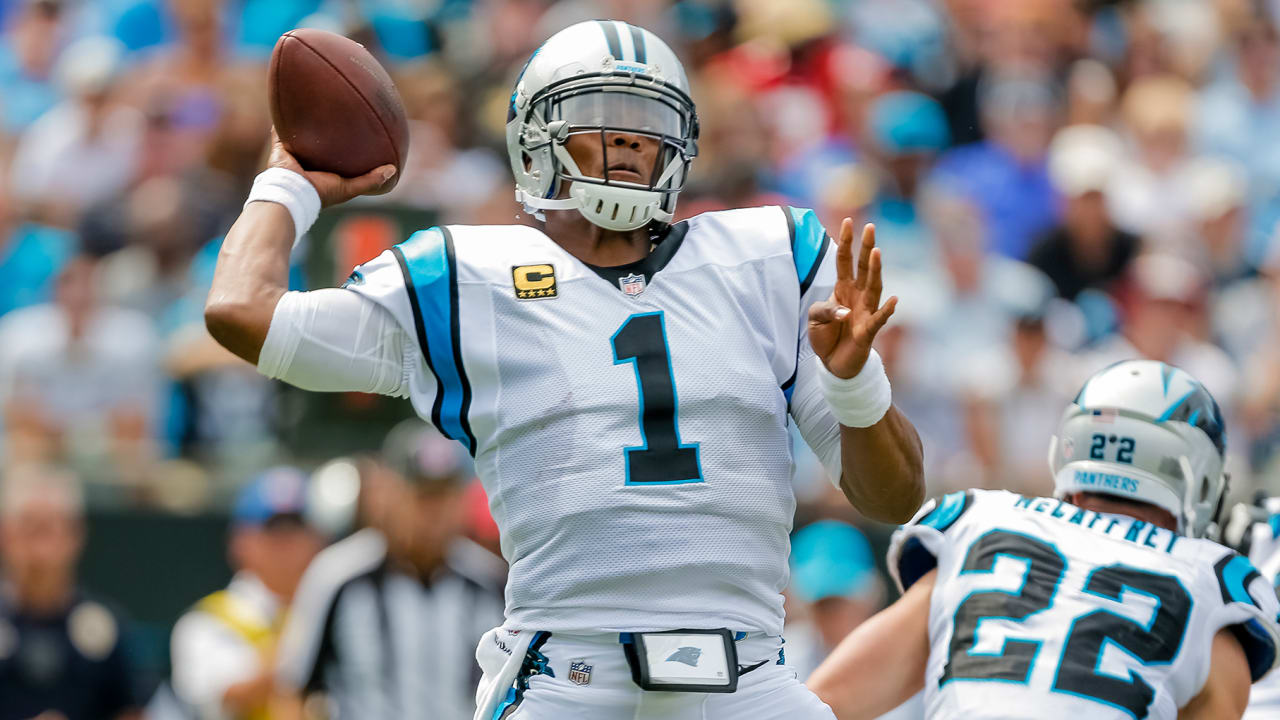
1232 122
25 98
1017 201
30 260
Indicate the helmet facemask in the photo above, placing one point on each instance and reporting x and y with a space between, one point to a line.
603 104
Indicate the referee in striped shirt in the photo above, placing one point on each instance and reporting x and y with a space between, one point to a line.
385 622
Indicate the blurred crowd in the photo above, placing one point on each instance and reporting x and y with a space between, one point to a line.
1057 185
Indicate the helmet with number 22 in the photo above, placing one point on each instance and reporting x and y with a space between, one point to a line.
1148 432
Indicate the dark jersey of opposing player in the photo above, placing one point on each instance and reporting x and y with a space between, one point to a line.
72 663
1042 609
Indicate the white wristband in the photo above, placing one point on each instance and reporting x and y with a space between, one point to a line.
859 401
293 191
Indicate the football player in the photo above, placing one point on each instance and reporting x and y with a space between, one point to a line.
622 380
1104 602
1261 540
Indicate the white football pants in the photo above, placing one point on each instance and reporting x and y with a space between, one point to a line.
599 687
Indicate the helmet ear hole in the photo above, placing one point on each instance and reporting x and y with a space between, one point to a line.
1204 488
527 160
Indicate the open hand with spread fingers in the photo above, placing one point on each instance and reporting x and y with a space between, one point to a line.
842 329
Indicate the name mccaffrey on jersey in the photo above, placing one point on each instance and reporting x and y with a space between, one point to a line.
1135 531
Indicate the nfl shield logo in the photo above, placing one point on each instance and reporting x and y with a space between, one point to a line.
579 672
632 284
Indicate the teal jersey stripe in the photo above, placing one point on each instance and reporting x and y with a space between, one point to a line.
809 242
948 511
1235 577
428 263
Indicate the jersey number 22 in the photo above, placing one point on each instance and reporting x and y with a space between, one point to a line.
1079 668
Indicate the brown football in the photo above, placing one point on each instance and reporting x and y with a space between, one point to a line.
334 106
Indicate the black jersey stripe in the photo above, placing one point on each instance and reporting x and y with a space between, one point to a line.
813 271
611 36
423 345
455 331
791 227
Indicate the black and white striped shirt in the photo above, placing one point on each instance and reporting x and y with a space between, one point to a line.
381 643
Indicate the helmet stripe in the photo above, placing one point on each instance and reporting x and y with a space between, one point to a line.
637 41
1177 404
611 36
624 34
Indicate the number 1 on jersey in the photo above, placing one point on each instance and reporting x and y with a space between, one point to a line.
642 341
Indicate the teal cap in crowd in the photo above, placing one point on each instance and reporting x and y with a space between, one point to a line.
906 122
830 558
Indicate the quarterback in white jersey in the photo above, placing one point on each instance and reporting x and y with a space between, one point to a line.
1102 602
623 382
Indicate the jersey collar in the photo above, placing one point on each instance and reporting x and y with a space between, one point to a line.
666 246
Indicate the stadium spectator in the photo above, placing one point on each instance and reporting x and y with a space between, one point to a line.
31 256
1085 250
1005 173
907 130
34 35
834 587
165 226
194 60
983 290
85 148
1162 304
910 352
63 653
1248 316
1216 190
223 648
1011 395
1238 115
387 628
1091 93
996 40
78 380
442 175
1145 191
233 150
806 174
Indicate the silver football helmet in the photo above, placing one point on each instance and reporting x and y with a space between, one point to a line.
1144 431
597 77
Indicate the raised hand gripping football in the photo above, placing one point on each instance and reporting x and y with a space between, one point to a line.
842 329
332 188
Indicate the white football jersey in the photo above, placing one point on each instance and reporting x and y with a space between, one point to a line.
629 424
1264 552
1042 609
